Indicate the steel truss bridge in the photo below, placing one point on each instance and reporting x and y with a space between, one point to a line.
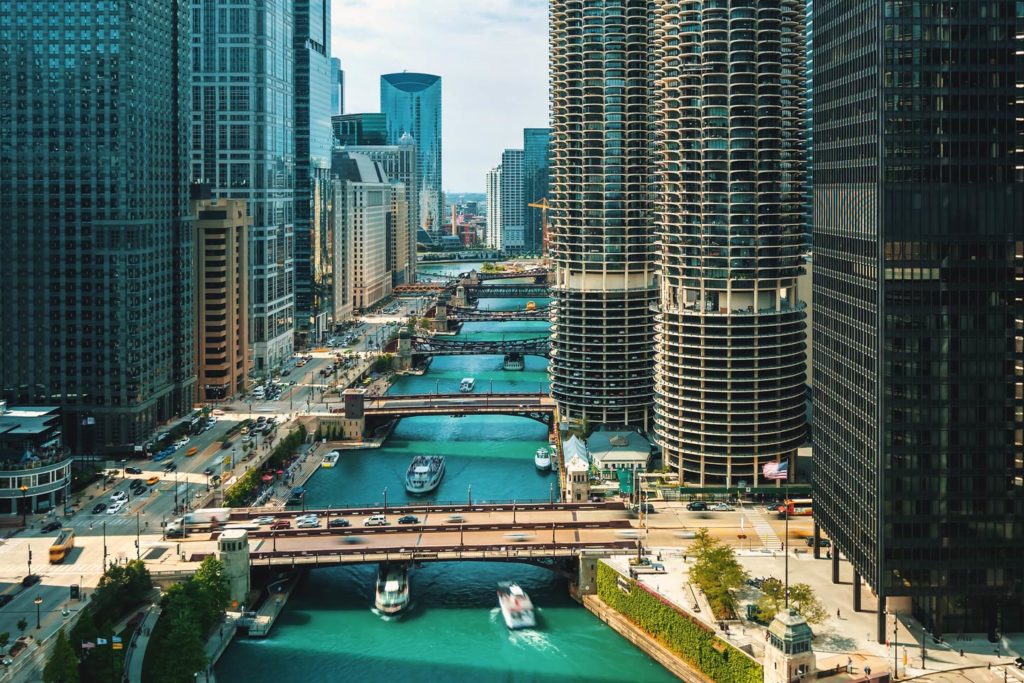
440 346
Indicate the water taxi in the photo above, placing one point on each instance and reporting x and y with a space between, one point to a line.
467 385
331 459
425 472
392 595
542 459
516 606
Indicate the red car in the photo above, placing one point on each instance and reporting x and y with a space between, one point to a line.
282 524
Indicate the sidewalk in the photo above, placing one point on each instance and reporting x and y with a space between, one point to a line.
140 640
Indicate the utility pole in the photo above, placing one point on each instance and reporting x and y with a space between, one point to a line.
895 641
104 547
138 535
924 635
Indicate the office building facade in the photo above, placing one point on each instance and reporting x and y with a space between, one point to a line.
536 168
337 87
731 332
919 306
412 104
369 128
493 224
602 240
314 90
96 316
513 204
243 146
223 358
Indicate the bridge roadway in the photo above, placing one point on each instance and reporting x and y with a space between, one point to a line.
461 404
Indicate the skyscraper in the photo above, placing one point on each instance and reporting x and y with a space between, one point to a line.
919 305
493 188
731 335
96 245
412 104
243 146
369 128
337 87
313 140
536 168
602 240
513 205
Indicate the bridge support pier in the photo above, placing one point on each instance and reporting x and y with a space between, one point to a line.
354 425
441 315
233 549
587 577
403 361
460 300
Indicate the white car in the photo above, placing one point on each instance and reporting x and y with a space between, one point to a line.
721 507
308 524
115 508
264 520
118 496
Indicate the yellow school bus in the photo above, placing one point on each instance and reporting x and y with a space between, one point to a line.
62 546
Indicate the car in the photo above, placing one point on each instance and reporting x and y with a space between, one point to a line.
338 523
646 508
261 419
822 542
631 534
721 507
310 515
6 661
153 481
455 519
4 599
115 508
52 526
308 524
1019 662
696 506
170 467
118 496
266 519
98 508
132 470
376 520
285 372
518 536
208 471
408 519
281 524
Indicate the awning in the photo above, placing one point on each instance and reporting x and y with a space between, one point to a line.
267 477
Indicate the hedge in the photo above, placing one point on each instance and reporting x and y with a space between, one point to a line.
688 638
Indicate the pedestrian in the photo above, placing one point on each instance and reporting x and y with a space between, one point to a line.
837 615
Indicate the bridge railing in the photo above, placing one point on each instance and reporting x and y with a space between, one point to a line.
475 552
435 506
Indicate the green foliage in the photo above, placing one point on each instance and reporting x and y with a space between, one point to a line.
717 572
243 490
121 588
5 638
63 664
801 598
22 624
383 362
489 268
689 639
214 583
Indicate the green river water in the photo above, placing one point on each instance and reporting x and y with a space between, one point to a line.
453 631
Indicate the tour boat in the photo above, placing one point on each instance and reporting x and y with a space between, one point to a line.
542 458
392 588
516 607
531 305
468 384
331 459
425 472
513 361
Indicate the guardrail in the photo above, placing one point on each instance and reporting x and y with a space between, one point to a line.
439 528
426 507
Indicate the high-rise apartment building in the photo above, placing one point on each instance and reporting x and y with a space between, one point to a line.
412 104
313 140
399 163
223 359
243 146
369 128
602 238
337 87
919 305
536 169
731 333
513 205
96 245
493 224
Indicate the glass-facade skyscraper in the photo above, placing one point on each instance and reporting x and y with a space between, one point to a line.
337 87
412 104
513 204
730 212
919 304
96 247
370 128
314 90
601 224
243 146
536 170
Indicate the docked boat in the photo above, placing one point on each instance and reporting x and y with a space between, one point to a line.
392 594
425 472
331 459
516 606
467 385
542 458
513 361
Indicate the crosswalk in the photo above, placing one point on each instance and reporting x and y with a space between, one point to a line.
764 530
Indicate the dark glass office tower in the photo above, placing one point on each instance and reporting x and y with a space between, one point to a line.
314 88
601 231
536 171
95 245
361 129
919 304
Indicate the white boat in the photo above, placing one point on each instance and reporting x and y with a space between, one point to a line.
331 459
392 594
513 361
467 385
542 458
425 472
516 606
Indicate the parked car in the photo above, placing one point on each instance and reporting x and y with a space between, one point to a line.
281 524
132 470
696 506
98 508
408 519
52 526
721 507
339 522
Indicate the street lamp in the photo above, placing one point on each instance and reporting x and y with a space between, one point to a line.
471 495
385 499
24 505
38 601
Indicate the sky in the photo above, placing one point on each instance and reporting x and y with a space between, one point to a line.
492 56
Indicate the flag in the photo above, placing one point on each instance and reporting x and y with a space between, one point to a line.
116 639
101 641
86 645
774 471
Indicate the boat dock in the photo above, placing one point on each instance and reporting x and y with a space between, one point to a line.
260 622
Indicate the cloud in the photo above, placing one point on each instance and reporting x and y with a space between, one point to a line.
491 55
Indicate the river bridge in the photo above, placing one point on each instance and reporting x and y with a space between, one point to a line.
538 407
441 346
468 315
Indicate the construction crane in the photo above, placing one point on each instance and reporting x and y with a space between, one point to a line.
543 205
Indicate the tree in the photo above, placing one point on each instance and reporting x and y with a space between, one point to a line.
801 598
211 580
5 638
63 664
22 624
717 572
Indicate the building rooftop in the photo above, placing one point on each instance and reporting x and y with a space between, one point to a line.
28 419
618 447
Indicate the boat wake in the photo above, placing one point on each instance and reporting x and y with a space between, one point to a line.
532 639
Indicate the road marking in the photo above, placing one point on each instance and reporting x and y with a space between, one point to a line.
768 536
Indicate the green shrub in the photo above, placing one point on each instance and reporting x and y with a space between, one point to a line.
688 638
